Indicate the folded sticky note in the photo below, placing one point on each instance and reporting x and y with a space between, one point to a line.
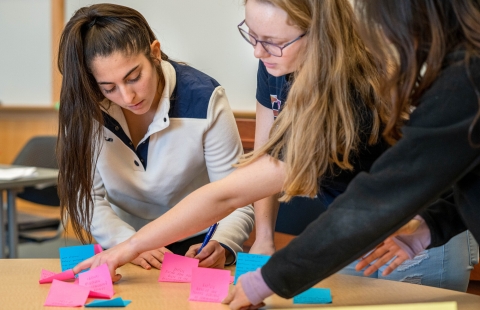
98 280
64 294
47 276
314 296
72 255
177 268
116 302
249 262
209 284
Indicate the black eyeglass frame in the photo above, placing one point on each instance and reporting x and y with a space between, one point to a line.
244 33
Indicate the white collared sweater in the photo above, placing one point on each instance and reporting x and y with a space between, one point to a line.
193 140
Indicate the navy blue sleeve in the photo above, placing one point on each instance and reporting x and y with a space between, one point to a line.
263 93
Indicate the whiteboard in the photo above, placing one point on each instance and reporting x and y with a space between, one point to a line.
202 33
25 53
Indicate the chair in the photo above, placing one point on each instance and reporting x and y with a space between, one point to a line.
39 152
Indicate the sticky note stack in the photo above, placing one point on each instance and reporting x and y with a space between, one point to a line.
95 283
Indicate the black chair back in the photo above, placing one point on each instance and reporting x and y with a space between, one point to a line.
39 152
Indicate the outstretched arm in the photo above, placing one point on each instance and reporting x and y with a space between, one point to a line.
197 211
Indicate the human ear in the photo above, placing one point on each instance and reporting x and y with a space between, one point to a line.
155 49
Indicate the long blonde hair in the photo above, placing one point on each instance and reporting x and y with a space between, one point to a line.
319 126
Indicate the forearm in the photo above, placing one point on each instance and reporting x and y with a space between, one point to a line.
266 211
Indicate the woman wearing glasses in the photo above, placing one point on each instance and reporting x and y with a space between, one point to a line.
279 40
124 109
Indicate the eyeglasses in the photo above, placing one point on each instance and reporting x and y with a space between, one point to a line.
273 49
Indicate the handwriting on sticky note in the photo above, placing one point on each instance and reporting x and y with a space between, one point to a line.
249 262
209 285
66 295
48 276
72 255
176 268
314 296
98 280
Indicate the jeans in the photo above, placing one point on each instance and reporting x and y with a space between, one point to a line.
446 267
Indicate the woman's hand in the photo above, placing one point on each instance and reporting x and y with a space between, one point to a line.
213 255
388 250
383 253
263 247
238 300
114 257
149 259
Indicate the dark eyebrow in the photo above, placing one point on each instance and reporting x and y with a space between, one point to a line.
126 75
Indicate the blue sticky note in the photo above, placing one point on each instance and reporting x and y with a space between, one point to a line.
72 255
116 302
249 262
314 296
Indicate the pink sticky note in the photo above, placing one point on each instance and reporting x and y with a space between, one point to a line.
48 276
209 284
177 268
64 294
98 280
97 248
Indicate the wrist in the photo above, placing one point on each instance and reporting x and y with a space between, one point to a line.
264 236
255 287
134 245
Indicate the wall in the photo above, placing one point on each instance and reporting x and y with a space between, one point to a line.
25 53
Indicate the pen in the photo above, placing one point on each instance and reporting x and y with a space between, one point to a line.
208 236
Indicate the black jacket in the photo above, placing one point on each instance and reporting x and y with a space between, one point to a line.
433 157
